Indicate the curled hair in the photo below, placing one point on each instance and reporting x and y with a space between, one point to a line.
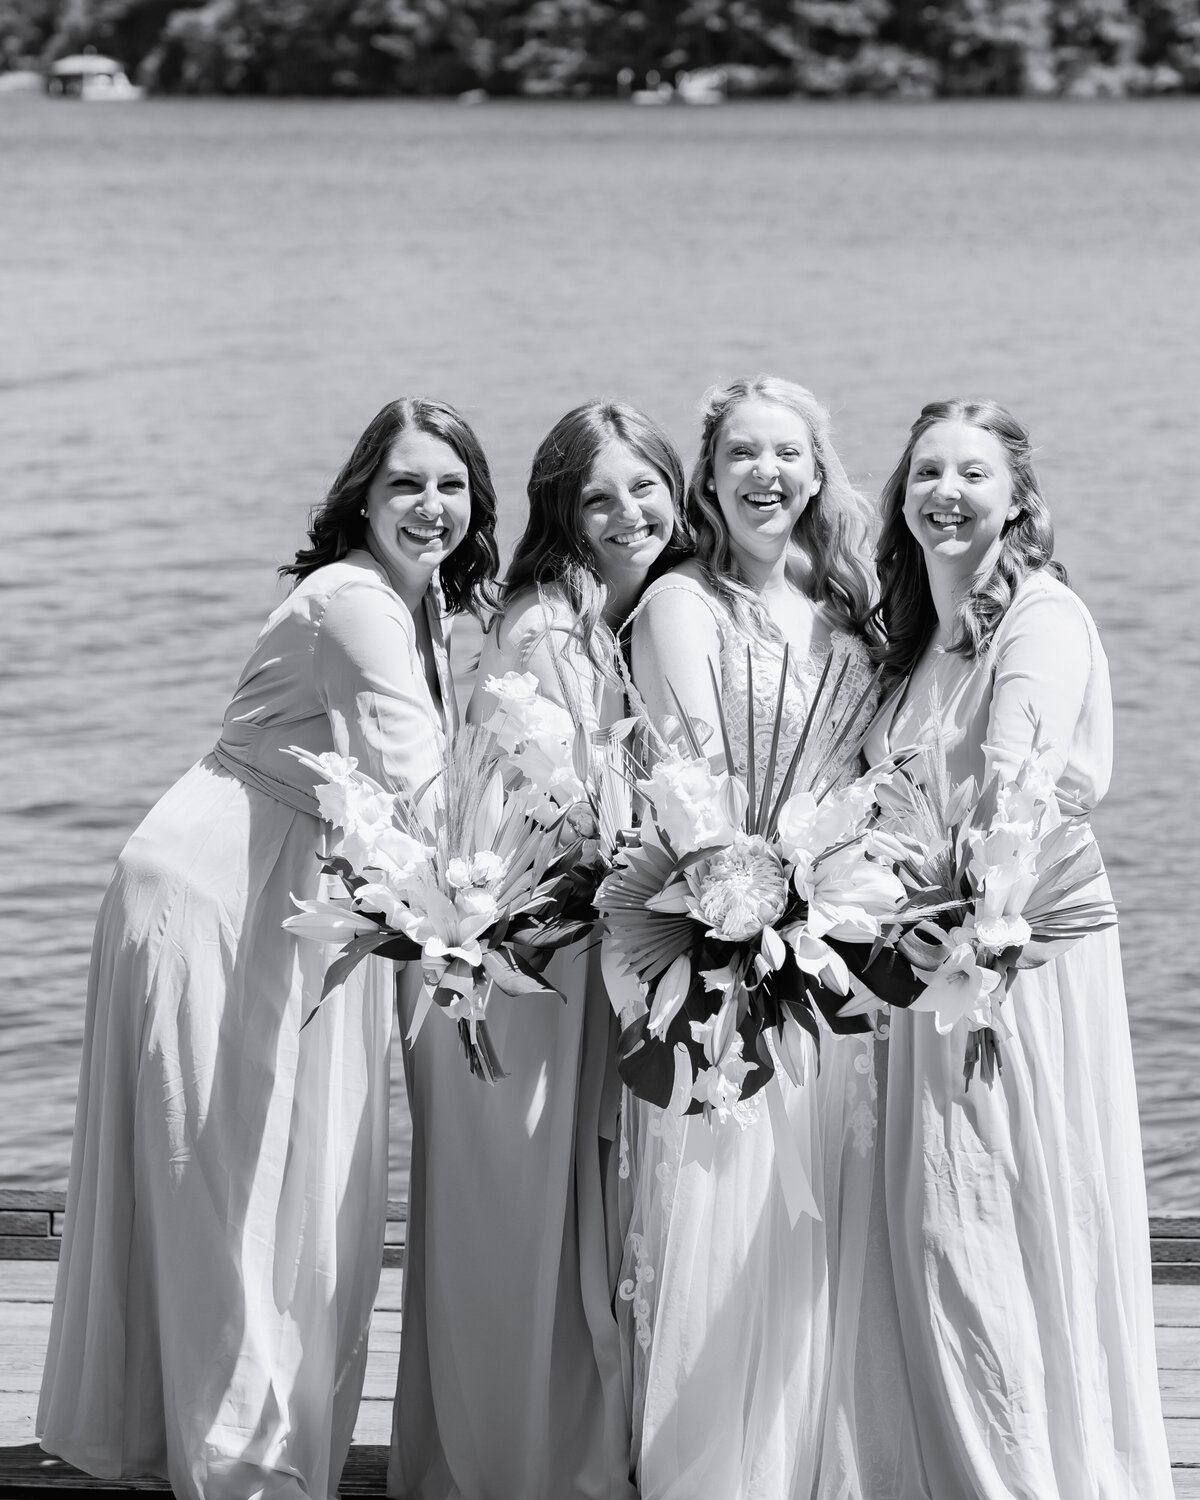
553 552
338 526
829 542
906 611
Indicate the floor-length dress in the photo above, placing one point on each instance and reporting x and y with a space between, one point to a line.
1015 1214
728 1309
510 1377
228 1182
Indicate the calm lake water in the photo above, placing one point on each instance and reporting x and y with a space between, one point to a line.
205 301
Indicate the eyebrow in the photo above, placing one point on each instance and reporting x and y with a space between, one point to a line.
392 474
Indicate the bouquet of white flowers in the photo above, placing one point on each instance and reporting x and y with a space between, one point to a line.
477 876
729 915
996 880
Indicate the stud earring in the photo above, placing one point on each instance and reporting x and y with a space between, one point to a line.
362 510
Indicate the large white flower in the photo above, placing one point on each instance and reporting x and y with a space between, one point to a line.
690 805
808 827
960 988
1002 865
521 712
849 895
719 1086
328 921
738 890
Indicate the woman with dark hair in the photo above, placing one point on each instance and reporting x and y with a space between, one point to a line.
1015 1211
727 1309
510 1374
228 1182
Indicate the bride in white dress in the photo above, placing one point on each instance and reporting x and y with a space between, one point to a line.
727 1308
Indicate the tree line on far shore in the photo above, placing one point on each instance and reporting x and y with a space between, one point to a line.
598 47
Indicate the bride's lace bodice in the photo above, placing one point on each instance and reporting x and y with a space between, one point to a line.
745 653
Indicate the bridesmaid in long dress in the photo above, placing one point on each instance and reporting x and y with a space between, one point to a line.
510 1382
729 1311
228 1182
1016 1212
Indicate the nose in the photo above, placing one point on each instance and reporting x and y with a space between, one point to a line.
766 466
628 508
947 487
430 504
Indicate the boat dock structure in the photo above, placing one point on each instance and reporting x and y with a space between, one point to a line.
30 1230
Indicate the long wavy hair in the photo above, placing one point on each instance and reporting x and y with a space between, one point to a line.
338 526
829 543
906 613
553 554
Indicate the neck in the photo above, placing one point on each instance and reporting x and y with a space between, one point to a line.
619 602
767 579
410 590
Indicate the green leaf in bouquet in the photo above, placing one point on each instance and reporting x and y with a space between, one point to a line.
353 954
687 723
751 746
789 776
646 1064
513 974
581 752
480 1053
886 973
557 933
846 728
763 815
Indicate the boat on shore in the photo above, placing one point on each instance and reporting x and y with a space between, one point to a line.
92 78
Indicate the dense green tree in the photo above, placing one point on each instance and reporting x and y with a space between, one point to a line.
582 46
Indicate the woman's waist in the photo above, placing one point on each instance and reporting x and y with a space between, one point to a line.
258 756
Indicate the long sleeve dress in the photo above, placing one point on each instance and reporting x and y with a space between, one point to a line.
228 1184
1016 1213
510 1377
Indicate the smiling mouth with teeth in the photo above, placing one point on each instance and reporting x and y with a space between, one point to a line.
763 498
631 538
424 533
945 518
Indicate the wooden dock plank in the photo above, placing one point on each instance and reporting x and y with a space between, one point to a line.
27 1292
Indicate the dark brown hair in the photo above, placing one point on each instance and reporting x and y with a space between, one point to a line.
338 525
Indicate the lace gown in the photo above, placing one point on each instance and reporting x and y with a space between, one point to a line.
1015 1215
729 1312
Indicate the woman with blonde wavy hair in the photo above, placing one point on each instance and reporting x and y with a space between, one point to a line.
726 1304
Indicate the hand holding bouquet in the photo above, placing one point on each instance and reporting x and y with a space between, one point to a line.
728 914
477 876
996 881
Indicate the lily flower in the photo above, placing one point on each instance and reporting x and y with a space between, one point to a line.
793 1047
849 896
960 988
669 994
328 921
719 1086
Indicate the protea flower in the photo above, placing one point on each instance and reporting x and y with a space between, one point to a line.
738 890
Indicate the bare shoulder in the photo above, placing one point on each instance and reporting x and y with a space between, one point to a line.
530 618
680 600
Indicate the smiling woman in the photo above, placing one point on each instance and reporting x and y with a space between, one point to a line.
1009 1271
510 1376
228 1186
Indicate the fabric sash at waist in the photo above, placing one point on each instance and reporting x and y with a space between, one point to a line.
271 786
